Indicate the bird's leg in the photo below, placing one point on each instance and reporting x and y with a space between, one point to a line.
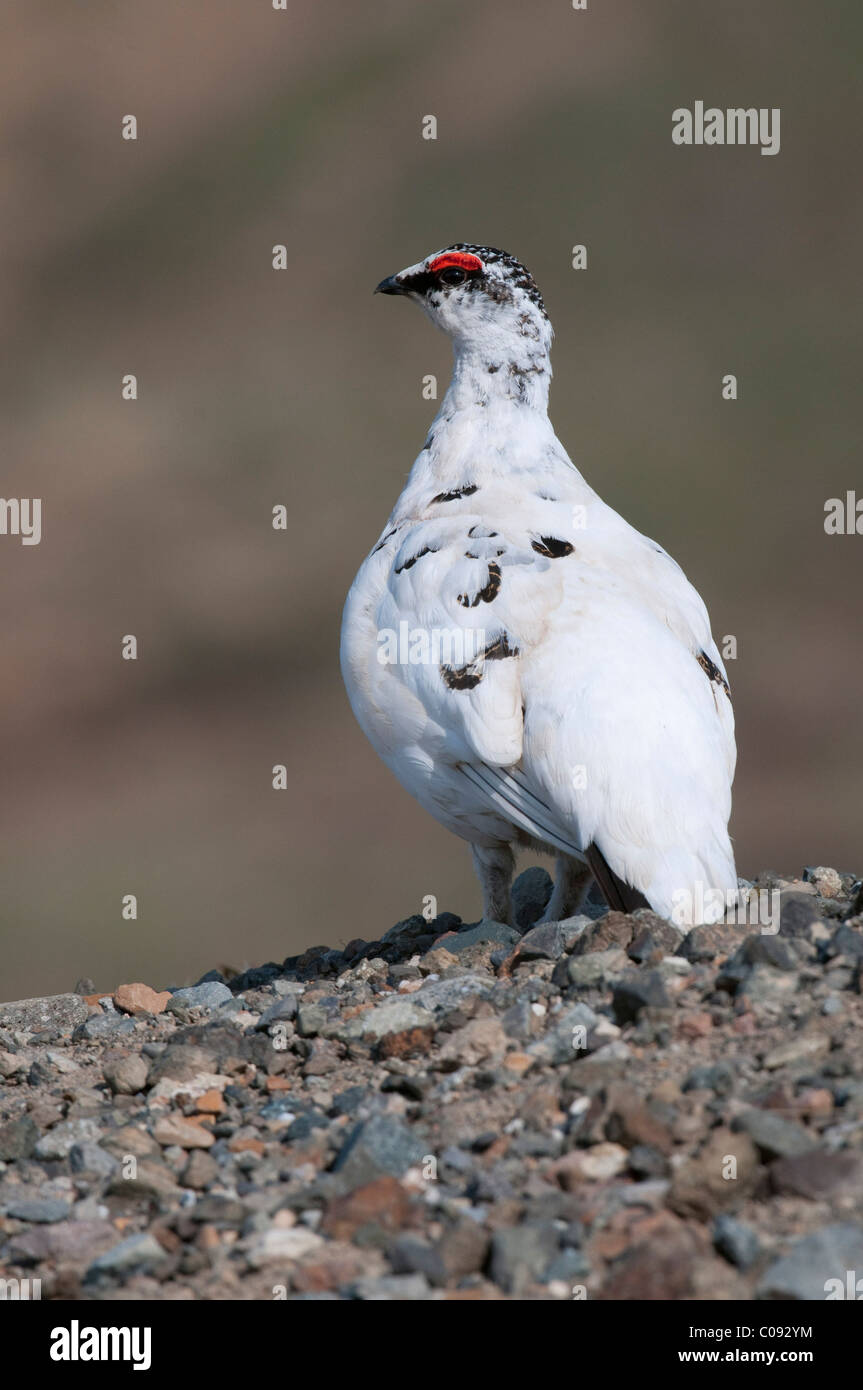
494 869
572 880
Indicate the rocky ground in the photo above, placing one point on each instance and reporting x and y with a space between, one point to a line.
603 1108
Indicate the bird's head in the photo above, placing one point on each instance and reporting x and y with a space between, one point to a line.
484 299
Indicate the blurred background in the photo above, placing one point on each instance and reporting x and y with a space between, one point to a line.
257 387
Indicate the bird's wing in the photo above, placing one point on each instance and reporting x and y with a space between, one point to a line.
444 598
431 675
629 731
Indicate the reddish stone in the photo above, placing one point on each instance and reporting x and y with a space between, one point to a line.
383 1202
695 1026
210 1103
241 1146
407 1043
140 999
279 1083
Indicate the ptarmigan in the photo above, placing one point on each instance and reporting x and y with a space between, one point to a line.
533 669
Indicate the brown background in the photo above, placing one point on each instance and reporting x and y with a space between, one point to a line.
257 387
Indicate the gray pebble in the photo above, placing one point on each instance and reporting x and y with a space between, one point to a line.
40 1210
206 996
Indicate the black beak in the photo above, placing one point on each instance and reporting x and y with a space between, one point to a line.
392 285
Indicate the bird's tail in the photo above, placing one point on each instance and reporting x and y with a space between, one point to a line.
618 895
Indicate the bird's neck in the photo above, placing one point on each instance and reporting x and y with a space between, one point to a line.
490 423
512 371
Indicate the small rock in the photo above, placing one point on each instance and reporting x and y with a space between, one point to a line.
596 1164
18 1139
174 1129
322 1016
152 1178
613 931
707 942
635 992
719 1078
410 1254
597 969
167 1089
479 1041
39 1210
200 1171
132 1256
463 1248
723 1173
10 1063
766 985
846 942
322 1058
817 1175
520 1254
104 1026
283 1010
66 1242
570 1266
436 960
568 1037
695 1025
382 1204
757 950
530 897
660 1268
483 934
654 939
816 1267
56 1012
88 1157
542 943
825 881
800 916
208 996
381 1146
805 1048
59 1141
647 1163
629 1121
573 929
280 1243
126 1076
736 1241
775 1136
140 999
183 1062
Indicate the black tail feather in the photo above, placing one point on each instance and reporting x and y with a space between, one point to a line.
619 895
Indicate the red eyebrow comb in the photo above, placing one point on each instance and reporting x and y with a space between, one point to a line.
463 259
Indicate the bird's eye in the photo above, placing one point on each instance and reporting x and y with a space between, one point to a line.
452 275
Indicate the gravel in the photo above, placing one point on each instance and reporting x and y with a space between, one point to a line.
602 1107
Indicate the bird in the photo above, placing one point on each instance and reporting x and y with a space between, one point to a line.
536 672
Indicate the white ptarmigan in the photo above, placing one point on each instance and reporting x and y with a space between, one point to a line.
533 669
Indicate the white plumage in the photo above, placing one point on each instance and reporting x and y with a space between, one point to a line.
531 668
